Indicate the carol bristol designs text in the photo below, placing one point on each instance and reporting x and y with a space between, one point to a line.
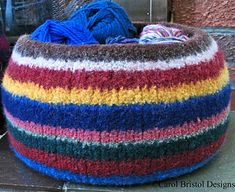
198 184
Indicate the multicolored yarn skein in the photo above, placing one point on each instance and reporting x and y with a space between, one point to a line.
153 34
117 115
158 34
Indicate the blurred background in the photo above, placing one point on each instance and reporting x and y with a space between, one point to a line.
22 16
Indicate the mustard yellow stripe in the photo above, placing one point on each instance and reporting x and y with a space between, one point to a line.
123 96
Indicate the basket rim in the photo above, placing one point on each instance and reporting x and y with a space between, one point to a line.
199 41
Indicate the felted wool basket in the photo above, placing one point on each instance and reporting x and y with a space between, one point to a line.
117 114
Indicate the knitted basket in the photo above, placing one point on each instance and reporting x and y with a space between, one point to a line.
117 114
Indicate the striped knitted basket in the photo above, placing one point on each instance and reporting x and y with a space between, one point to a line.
117 114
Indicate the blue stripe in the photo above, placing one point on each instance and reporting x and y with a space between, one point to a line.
111 180
124 117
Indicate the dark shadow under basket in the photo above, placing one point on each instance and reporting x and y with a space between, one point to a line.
117 114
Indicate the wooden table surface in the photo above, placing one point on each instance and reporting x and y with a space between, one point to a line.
15 176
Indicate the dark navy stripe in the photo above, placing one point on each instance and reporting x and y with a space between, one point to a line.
124 117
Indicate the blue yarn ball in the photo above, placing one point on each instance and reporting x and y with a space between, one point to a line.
65 32
104 19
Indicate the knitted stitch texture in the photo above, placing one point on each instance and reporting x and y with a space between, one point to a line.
117 114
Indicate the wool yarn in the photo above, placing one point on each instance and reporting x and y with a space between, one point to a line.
105 19
158 34
63 32
121 40
117 115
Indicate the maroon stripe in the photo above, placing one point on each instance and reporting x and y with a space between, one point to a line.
108 168
117 79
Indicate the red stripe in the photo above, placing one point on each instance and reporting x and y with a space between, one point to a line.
117 79
108 168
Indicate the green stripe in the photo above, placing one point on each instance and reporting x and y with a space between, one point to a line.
115 144
119 151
